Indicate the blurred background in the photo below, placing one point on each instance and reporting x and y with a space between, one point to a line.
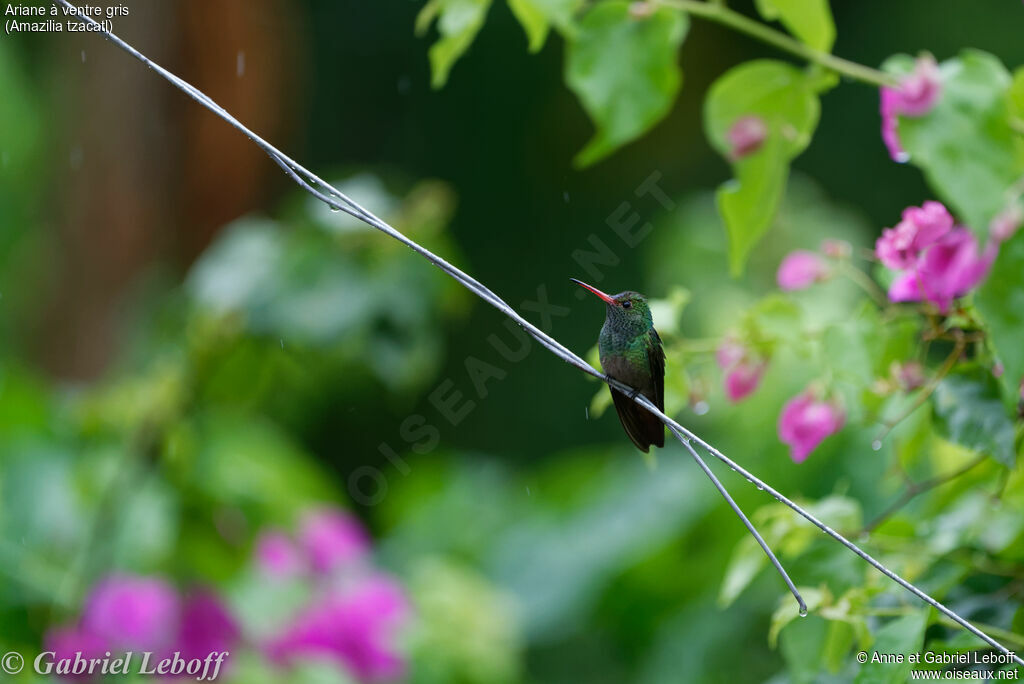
205 372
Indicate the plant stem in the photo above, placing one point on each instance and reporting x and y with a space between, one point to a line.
865 282
928 389
916 488
723 15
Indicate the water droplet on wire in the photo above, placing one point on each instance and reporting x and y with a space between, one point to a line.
803 611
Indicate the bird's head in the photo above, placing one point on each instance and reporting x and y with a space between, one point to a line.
626 309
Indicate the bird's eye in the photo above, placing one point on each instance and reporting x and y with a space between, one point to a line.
627 305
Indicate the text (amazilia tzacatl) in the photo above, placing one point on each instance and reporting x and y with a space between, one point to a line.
631 353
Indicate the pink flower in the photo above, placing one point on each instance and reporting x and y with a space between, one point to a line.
948 269
921 227
909 375
1006 223
205 627
890 136
919 91
836 249
746 135
332 538
277 555
805 422
69 642
743 379
743 370
729 353
356 626
131 612
801 269
916 94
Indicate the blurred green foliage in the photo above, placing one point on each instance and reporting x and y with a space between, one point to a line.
549 563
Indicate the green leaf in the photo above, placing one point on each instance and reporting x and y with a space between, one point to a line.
965 145
783 97
1016 103
809 20
969 411
774 319
458 22
1016 93
537 17
1001 303
787 535
748 203
788 610
747 560
904 635
533 21
624 71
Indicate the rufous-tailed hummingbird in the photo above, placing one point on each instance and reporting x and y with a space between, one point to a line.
631 352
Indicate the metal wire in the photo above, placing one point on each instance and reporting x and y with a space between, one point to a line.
336 199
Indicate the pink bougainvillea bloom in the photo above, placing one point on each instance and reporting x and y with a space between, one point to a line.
921 227
65 642
332 538
746 135
919 91
805 422
125 611
277 554
946 270
356 626
729 353
909 375
205 627
915 95
890 136
836 249
743 370
1006 223
743 379
801 269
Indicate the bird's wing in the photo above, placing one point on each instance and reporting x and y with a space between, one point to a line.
633 420
656 359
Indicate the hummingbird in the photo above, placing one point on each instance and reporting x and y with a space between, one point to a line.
631 352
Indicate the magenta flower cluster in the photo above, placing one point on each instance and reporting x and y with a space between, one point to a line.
353 617
935 260
806 421
745 136
915 96
800 269
356 613
132 613
742 366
